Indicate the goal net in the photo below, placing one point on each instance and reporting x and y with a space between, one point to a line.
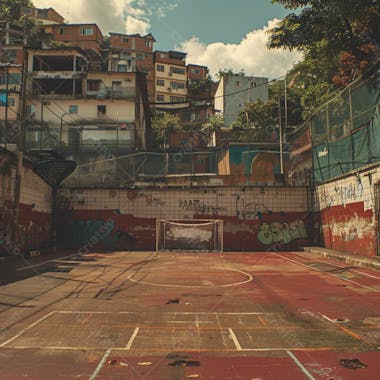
189 235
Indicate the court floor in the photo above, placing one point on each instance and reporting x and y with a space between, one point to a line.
143 315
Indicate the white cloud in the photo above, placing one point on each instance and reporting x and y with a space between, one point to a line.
135 25
123 16
251 55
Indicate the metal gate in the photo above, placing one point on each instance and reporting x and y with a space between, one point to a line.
377 212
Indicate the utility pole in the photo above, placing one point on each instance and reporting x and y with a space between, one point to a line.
6 107
20 154
280 131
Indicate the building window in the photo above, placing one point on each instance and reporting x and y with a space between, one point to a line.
27 11
124 39
177 70
195 71
163 55
177 85
42 13
160 82
102 110
125 55
139 57
93 85
73 108
161 68
61 31
160 98
177 99
86 31
11 102
12 55
238 84
121 68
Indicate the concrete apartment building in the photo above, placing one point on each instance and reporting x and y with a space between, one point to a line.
171 78
80 112
235 91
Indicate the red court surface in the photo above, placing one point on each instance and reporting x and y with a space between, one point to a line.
142 315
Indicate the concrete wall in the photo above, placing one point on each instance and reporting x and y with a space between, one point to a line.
35 208
255 219
348 215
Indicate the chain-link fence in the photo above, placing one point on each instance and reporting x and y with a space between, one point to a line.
145 166
346 130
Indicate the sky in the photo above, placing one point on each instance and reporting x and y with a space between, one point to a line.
220 34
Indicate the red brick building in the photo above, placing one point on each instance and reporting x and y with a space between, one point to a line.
42 15
133 52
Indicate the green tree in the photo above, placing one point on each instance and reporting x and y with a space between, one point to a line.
259 121
10 9
339 38
214 123
162 125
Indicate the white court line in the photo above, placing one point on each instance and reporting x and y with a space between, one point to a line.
27 328
45 262
326 273
338 266
300 366
159 312
132 338
101 364
235 339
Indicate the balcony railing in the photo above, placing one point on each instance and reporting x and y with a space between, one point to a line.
114 93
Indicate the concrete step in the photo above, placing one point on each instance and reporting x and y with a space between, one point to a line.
349 258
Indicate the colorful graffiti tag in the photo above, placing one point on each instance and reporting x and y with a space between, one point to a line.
284 233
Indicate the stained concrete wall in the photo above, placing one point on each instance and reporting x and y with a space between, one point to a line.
255 219
348 216
34 227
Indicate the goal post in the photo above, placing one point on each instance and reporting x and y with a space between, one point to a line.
193 235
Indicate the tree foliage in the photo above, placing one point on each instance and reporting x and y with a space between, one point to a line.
260 120
162 125
339 38
10 9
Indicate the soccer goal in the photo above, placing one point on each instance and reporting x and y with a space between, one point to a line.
195 235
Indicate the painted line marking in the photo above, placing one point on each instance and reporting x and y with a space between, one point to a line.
337 266
235 339
132 338
157 349
300 365
345 329
262 320
158 312
47 262
101 364
27 328
326 273
250 278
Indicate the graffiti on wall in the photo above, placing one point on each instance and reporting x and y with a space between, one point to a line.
343 195
246 210
283 233
199 207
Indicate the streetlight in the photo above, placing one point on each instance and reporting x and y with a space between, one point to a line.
61 127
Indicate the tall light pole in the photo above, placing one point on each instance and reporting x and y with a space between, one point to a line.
61 128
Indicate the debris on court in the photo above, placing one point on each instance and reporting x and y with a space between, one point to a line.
112 362
352 363
172 300
193 376
123 364
185 363
146 364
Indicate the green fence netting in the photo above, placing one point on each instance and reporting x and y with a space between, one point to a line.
346 130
